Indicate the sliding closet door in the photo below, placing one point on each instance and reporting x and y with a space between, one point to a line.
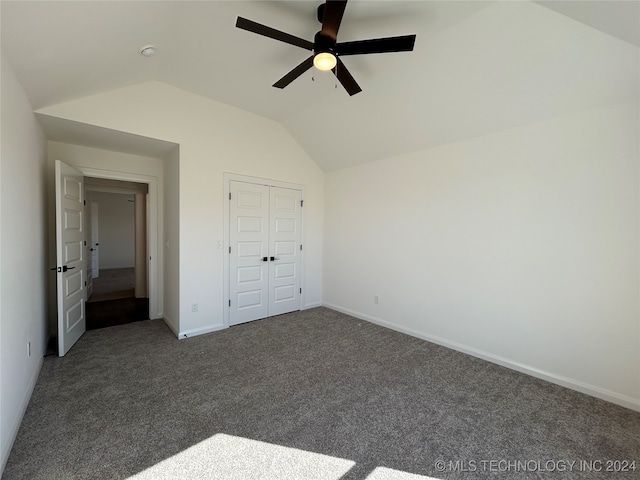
265 251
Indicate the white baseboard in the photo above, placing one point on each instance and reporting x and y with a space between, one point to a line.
117 267
15 426
312 305
200 331
582 387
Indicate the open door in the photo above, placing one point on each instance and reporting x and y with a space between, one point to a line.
70 256
89 274
95 253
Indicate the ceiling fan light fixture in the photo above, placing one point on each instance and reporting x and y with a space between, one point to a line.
325 61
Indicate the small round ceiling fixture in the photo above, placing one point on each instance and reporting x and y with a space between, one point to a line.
148 51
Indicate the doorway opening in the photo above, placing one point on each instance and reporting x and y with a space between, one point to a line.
117 241
73 249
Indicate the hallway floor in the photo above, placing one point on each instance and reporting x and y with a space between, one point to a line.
113 300
113 284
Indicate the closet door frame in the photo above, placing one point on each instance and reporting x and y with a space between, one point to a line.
228 178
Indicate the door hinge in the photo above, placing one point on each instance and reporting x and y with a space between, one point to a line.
85 243
84 202
85 284
300 290
229 249
300 247
229 195
302 203
229 302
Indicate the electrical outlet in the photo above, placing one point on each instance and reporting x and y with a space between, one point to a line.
28 349
375 299
194 307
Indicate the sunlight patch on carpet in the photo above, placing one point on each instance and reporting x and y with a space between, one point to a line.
228 457
383 473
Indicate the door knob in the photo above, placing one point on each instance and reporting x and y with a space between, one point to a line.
62 269
264 259
274 258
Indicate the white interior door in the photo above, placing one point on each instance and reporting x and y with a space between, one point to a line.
284 245
141 258
70 257
265 258
248 241
89 274
95 253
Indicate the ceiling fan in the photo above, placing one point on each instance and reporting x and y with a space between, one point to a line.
325 47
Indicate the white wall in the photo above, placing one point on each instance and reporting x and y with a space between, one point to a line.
520 247
109 164
116 228
23 266
170 243
214 138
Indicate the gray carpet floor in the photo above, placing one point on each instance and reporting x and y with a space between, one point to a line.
308 395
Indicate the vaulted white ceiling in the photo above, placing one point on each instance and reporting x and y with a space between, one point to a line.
477 67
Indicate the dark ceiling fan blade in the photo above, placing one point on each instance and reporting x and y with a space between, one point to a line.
260 29
345 78
404 43
295 73
331 18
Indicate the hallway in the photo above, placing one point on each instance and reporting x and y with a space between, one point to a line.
113 301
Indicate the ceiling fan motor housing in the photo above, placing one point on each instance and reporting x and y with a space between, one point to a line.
323 43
